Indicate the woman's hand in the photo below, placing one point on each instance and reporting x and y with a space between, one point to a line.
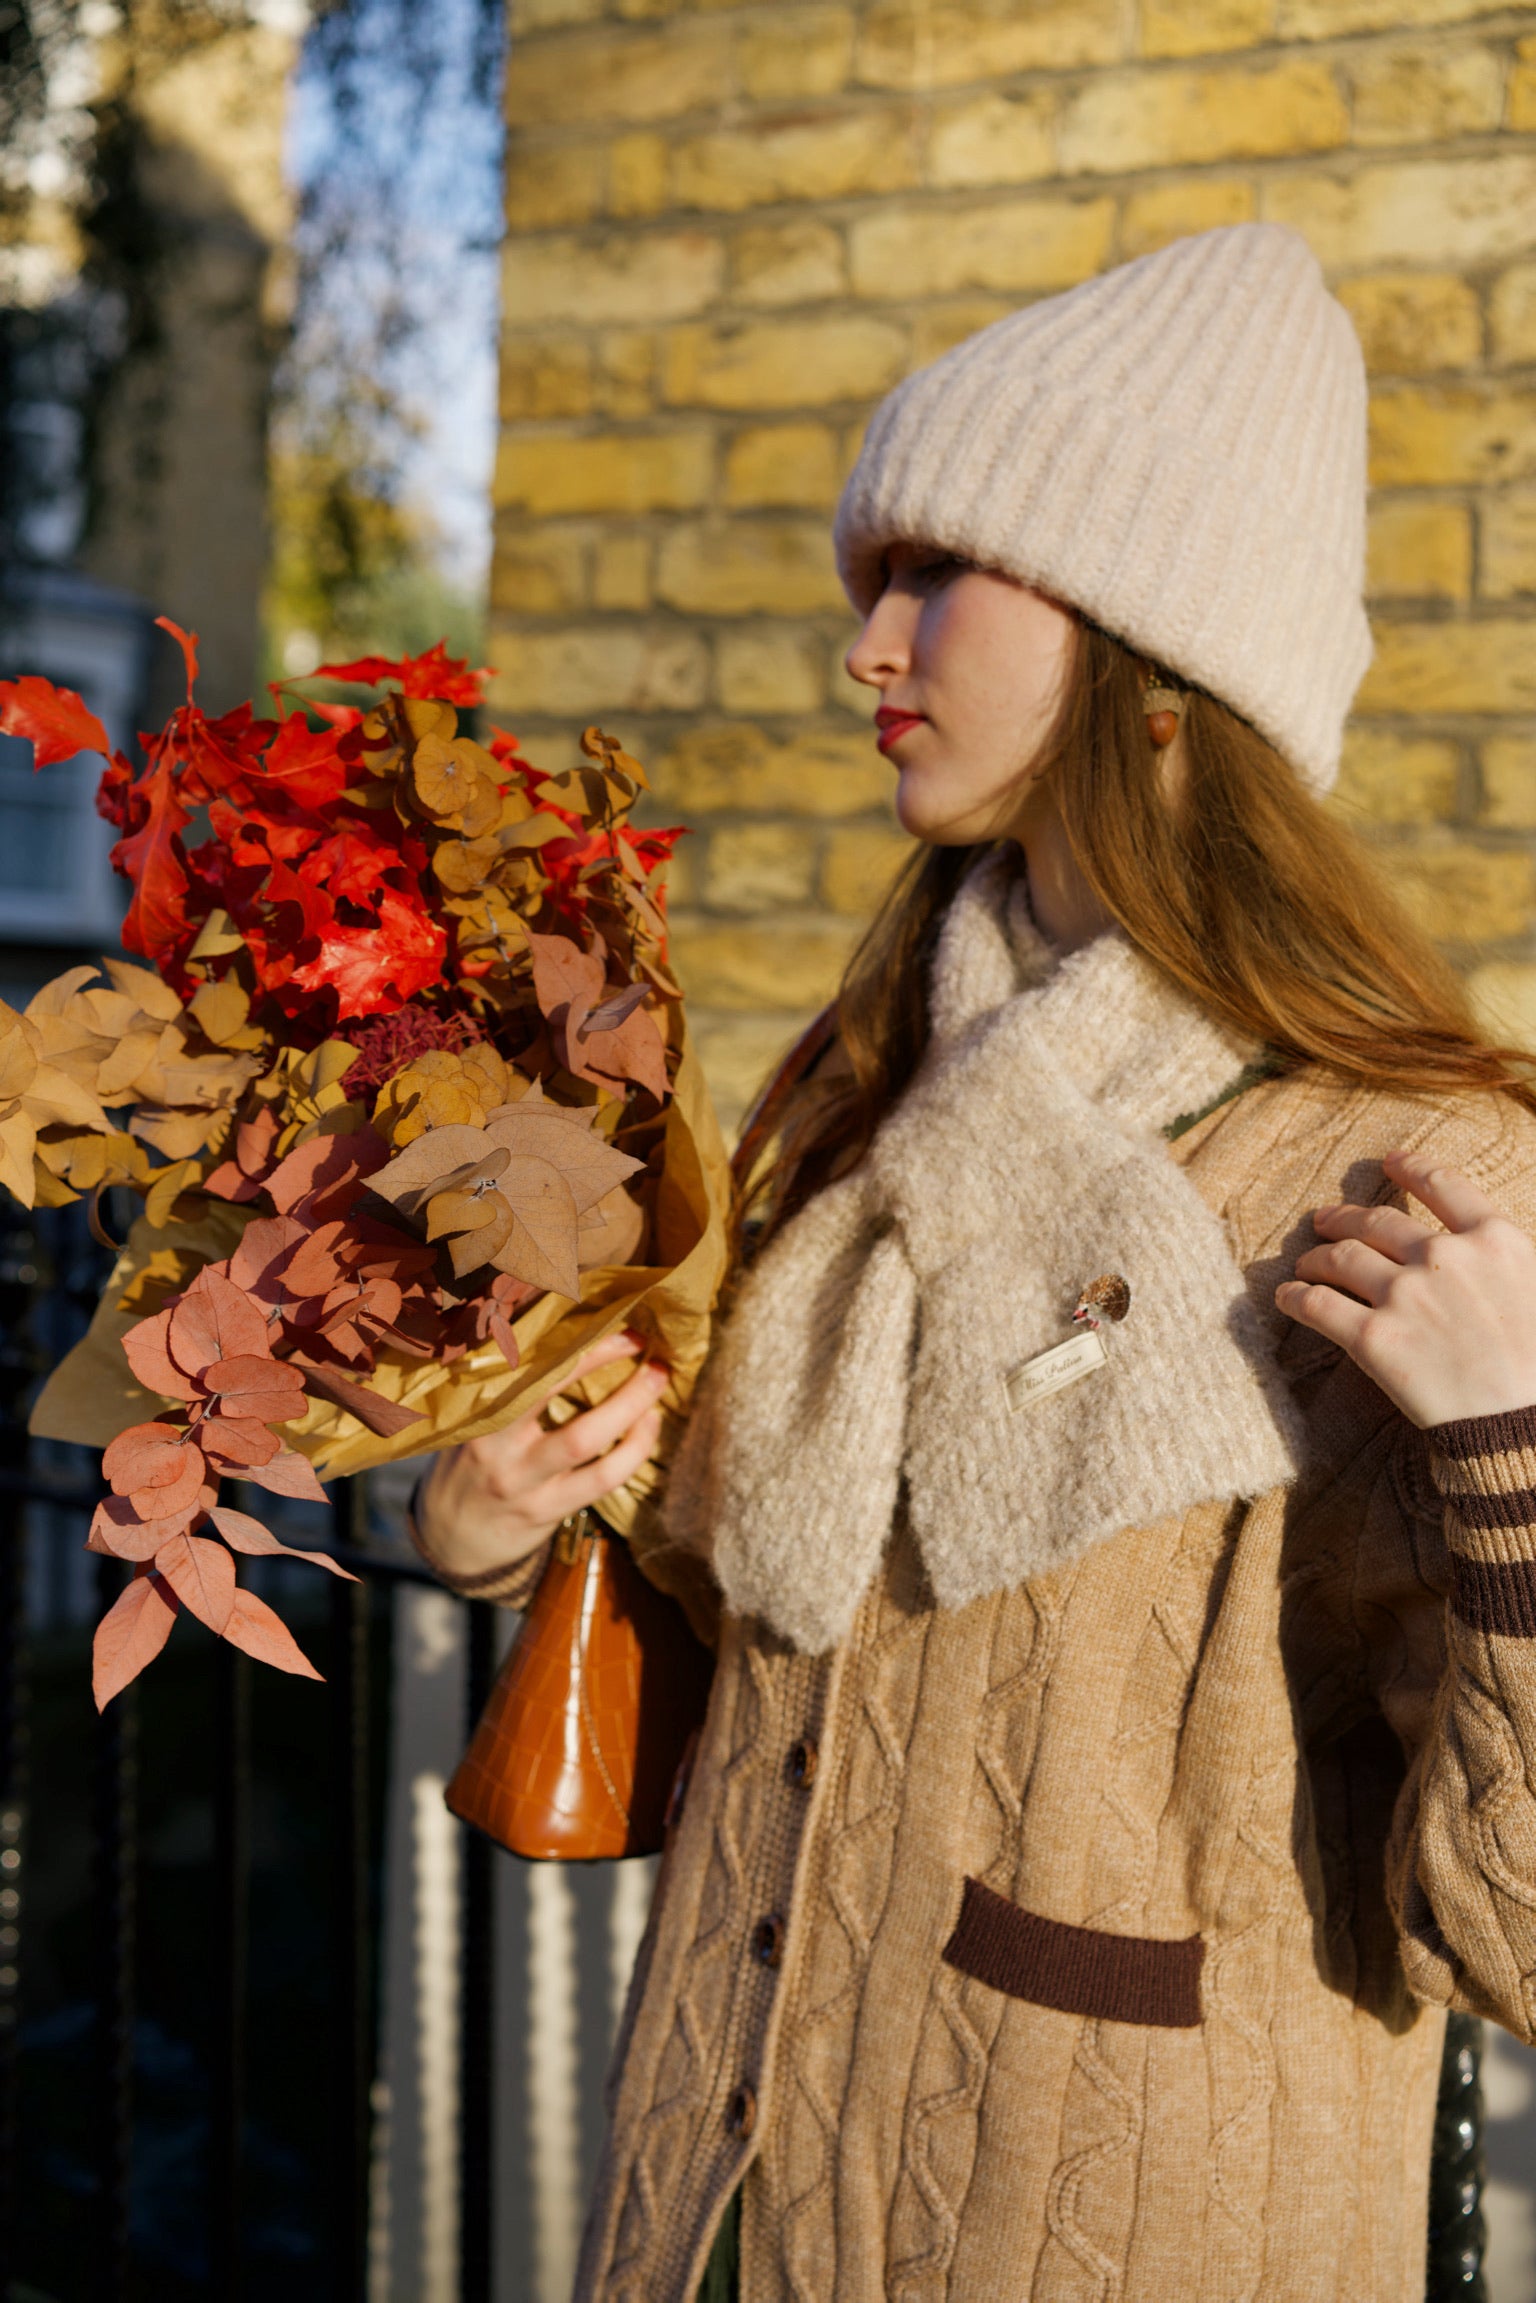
1444 1322
494 1500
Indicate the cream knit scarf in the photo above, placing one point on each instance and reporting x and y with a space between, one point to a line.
871 1345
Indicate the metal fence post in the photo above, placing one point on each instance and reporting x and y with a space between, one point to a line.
351 1918
117 1847
231 1923
477 2025
1457 2233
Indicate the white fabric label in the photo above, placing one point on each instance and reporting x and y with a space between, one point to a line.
1052 1370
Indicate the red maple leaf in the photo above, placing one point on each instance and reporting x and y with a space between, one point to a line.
152 856
374 969
446 679
52 720
302 765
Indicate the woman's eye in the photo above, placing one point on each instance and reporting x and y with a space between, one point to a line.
931 573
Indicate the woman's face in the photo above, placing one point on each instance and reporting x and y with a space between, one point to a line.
971 669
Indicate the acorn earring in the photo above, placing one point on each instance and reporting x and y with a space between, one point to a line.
1162 707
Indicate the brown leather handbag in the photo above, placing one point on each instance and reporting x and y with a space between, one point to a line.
577 1752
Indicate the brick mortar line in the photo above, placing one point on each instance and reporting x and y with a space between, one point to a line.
1344 164
1498 24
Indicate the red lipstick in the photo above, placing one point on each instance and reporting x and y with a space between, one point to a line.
893 725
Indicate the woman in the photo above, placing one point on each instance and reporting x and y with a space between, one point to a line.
1124 1504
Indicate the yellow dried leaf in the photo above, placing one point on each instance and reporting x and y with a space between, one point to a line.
145 988
164 1274
424 718
161 1198
462 865
220 1009
216 938
49 1190
119 1076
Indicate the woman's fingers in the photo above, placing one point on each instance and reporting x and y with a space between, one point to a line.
592 1433
1351 1264
1451 1198
621 1345
1386 1229
1323 1309
592 1481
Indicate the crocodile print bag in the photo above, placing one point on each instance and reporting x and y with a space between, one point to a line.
577 1750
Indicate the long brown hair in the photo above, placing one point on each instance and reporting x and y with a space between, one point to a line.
1244 891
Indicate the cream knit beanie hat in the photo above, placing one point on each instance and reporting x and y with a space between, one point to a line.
1177 449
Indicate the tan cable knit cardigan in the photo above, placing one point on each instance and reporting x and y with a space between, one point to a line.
1247 1800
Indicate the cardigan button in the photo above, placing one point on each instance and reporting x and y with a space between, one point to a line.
768 1941
741 2116
803 1760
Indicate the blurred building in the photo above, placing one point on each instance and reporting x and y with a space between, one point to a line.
732 229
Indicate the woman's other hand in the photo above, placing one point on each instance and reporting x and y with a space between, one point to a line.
494 1500
1443 1321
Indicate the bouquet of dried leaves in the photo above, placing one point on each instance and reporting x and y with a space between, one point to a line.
406 1091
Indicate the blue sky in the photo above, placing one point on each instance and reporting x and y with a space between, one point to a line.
395 148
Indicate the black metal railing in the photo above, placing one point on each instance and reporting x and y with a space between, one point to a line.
349 1631
350 2051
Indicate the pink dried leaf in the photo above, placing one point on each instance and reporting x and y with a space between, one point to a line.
243 1533
159 1496
130 1635
259 1263
258 1390
237 1441
253 1627
616 1009
202 1575
215 1320
288 1474
129 1460
563 972
384 1416
320 1179
144 1347
118 1531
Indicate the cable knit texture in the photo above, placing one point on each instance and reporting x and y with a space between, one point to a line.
882 1326
1268 1724
1178 449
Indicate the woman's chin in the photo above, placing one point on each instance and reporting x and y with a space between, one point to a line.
924 816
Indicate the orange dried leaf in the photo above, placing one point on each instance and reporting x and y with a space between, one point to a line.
542 1246
591 1167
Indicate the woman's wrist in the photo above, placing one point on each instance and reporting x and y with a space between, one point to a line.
461 1528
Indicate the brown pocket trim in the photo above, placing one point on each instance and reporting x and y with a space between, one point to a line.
1080 1970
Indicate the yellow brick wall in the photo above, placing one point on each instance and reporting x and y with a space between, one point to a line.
733 227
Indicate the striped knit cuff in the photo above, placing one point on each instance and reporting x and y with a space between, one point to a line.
512 1585
1485 1468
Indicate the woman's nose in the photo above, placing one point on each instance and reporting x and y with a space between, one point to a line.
883 650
